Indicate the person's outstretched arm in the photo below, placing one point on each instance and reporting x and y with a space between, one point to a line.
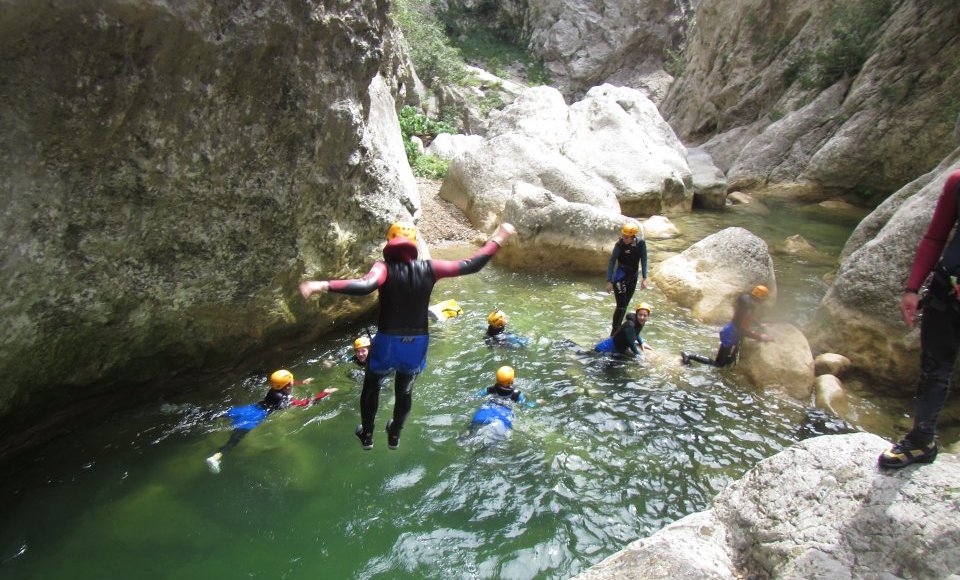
473 264
370 282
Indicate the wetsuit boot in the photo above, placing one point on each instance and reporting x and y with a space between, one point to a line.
366 438
393 435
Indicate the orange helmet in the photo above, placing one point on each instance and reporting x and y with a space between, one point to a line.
760 292
281 378
505 376
361 342
644 306
402 230
630 229
497 318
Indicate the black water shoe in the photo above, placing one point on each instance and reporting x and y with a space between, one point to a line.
366 439
906 452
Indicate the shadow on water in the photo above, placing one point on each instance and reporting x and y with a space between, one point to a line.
614 451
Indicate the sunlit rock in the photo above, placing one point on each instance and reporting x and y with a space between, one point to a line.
708 276
659 227
830 363
820 509
784 365
829 394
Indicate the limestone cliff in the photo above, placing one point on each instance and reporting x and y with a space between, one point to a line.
821 96
170 171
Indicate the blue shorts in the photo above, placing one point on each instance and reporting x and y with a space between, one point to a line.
491 412
606 345
729 335
400 353
248 416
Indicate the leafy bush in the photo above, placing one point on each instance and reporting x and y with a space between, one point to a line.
434 58
414 123
853 39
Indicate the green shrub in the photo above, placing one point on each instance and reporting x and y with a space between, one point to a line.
434 58
415 123
852 41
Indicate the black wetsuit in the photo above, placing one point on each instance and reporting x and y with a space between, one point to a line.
627 337
630 260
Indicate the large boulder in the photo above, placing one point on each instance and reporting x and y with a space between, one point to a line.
859 316
554 234
611 150
708 276
784 365
820 509
170 170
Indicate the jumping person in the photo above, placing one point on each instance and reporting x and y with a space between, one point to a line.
939 327
628 261
497 334
249 416
627 338
743 324
400 345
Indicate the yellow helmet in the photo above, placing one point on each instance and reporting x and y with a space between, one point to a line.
505 376
402 230
361 342
644 306
281 378
630 229
497 318
760 292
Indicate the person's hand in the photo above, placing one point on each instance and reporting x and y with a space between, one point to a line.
609 287
643 284
503 233
307 381
908 308
313 286
646 347
331 390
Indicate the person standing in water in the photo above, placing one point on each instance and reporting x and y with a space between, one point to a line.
743 324
249 416
628 262
400 345
939 326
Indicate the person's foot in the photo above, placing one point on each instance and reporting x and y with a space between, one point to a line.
366 439
393 438
906 452
685 357
213 463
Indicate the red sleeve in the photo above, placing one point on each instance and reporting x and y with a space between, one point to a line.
299 402
942 222
320 395
451 268
370 282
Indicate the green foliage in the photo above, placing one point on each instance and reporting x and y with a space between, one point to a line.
494 51
414 123
674 62
853 39
434 58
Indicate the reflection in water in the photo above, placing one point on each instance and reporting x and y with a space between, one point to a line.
615 450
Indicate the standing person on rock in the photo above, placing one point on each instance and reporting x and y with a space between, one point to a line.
939 327
628 261
400 345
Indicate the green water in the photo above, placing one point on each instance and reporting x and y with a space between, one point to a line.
614 451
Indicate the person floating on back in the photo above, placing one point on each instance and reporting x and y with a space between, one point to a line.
743 324
497 333
628 262
249 416
400 345
496 416
627 339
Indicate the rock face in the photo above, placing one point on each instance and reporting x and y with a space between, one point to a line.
859 316
764 86
610 150
708 276
821 509
784 365
169 173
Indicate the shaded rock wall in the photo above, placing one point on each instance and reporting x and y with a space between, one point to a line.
169 171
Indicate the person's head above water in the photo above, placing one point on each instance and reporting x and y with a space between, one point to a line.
361 348
760 292
505 376
644 311
401 242
630 230
497 318
281 379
